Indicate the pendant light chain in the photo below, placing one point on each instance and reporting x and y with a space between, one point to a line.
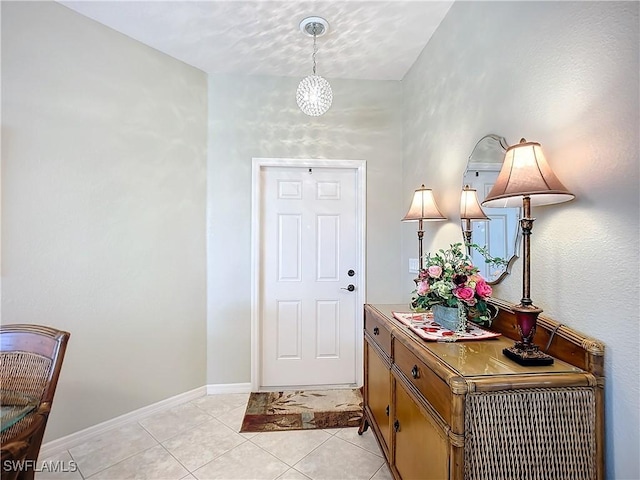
315 49
314 95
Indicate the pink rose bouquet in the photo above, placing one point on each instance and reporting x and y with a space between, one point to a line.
449 278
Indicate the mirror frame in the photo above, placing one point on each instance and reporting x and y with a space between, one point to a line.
512 260
518 235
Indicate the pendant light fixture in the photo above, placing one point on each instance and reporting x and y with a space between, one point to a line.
314 95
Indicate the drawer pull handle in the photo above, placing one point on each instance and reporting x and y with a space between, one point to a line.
415 373
376 331
387 410
396 426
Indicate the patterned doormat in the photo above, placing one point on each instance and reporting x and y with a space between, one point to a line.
299 410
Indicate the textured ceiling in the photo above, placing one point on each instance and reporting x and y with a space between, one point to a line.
366 40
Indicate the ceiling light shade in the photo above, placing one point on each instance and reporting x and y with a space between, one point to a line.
470 208
526 173
314 95
423 207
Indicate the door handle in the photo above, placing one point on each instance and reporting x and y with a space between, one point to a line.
349 287
415 373
387 410
376 331
396 426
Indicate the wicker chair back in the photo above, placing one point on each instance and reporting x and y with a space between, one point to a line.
30 364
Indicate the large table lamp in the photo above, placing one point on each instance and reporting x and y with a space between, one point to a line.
423 207
470 210
526 180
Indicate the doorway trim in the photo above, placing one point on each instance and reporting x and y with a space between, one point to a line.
258 164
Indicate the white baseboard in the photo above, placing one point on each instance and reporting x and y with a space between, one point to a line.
229 388
55 447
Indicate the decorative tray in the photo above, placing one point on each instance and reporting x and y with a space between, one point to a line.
422 324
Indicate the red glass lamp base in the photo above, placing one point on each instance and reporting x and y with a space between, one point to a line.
525 352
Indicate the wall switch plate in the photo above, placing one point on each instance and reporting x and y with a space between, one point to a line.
413 265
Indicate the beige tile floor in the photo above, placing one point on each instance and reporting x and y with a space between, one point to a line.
200 440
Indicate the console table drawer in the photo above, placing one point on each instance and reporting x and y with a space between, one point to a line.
375 326
435 391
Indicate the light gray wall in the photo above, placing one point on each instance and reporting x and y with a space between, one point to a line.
103 209
566 75
258 117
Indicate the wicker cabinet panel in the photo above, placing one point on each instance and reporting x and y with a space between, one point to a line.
531 423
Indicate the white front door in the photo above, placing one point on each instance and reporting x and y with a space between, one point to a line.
308 259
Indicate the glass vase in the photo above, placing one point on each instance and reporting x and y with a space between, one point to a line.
446 317
451 318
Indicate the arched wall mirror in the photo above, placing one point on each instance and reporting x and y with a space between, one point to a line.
501 235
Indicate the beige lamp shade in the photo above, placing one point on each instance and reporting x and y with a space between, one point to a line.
423 207
526 173
470 208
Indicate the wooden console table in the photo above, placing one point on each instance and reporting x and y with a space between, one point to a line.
462 410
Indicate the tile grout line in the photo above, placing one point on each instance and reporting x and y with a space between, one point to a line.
298 471
381 455
84 477
77 464
305 456
179 463
120 461
192 472
266 451
179 432
384 464
217 419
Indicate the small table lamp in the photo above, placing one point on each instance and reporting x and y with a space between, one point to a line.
470 210
423 207
526 179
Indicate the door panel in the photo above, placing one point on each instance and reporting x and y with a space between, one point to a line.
328 242
289 248
308 318
328 328
289 326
